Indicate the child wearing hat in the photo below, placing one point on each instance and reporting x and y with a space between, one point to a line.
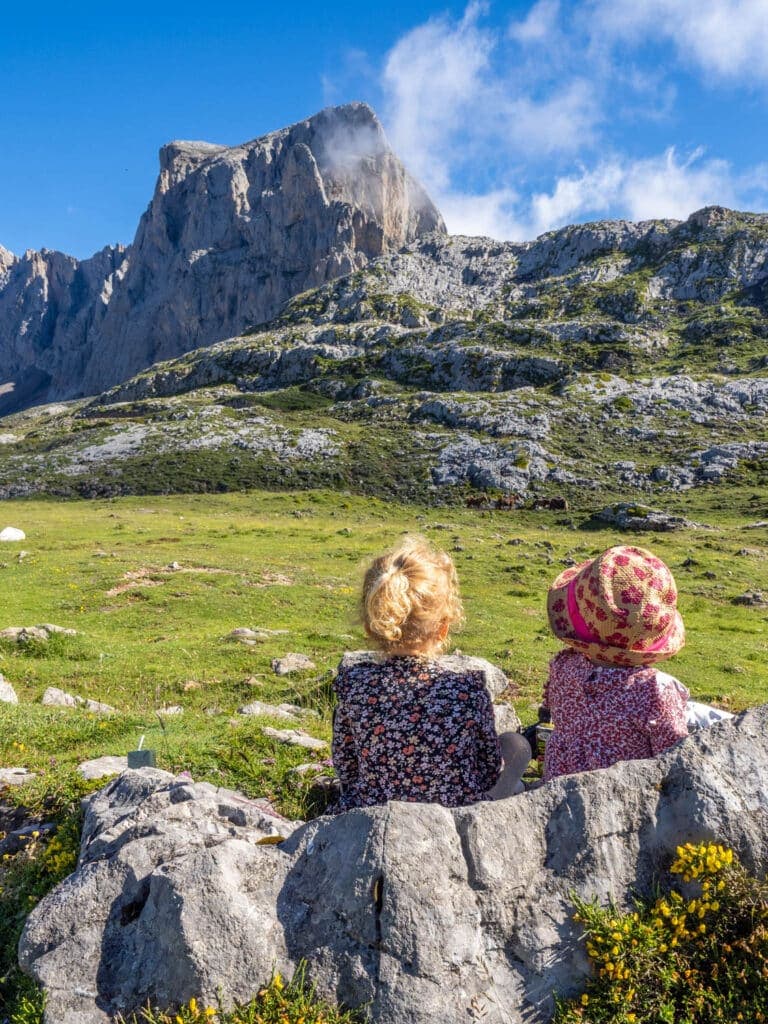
411 724
617 615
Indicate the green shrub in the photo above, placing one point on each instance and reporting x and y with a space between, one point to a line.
700 959
294 1002
25 877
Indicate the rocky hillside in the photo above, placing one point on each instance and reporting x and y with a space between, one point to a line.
619 357
230 235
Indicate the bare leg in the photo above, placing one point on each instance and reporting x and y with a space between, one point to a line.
516 751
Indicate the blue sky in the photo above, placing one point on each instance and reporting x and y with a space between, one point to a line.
518 116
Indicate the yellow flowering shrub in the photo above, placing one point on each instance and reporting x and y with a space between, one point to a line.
25 877
700 958
278 1002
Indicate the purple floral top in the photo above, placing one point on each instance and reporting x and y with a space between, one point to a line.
409 729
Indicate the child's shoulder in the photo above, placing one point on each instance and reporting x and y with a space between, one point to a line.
567 657
354 665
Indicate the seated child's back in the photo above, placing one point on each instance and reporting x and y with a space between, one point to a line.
617 615
408 724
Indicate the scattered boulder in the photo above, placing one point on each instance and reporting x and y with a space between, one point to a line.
7 692
292 663
296 709
628 516
308 766
295 738
171 710
98 707
251 637
54 697
11 533
15 776
752 598
258 707
101 767
506 718
417 911
23 634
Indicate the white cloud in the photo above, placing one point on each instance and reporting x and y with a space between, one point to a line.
540 24
727 38
491 214
479 113
662 186
452 110
432 78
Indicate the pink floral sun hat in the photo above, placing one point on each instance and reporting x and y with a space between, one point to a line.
618 608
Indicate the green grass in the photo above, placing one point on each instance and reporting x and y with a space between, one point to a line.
293 561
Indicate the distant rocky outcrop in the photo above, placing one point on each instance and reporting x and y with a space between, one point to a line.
622 358
230 235
419 912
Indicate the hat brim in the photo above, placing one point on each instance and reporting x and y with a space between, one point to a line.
672 642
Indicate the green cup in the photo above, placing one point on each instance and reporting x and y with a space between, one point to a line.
141 759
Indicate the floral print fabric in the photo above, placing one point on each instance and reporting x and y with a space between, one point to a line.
408 729
603 715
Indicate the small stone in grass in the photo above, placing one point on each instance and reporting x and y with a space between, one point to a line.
292 663
295 738
99 707
54 697
100 767
258 707
15 776
7 692
308 766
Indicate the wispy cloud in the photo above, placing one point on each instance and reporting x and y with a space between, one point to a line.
727 38
508 127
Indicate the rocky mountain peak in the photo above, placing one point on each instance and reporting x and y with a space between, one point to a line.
179 158
231 234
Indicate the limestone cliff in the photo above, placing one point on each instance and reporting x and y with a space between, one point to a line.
230 235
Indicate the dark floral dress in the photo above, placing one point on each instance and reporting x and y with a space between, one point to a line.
409 729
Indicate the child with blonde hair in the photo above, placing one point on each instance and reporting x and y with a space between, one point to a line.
410 724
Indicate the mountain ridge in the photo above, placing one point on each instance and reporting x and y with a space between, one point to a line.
618 357
230 234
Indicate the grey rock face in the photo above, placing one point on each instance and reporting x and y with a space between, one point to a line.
230 235
417 910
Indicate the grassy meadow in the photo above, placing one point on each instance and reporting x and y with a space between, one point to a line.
150 636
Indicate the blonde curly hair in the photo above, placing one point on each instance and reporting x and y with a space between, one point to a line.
411 599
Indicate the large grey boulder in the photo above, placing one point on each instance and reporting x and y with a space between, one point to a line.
417 910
